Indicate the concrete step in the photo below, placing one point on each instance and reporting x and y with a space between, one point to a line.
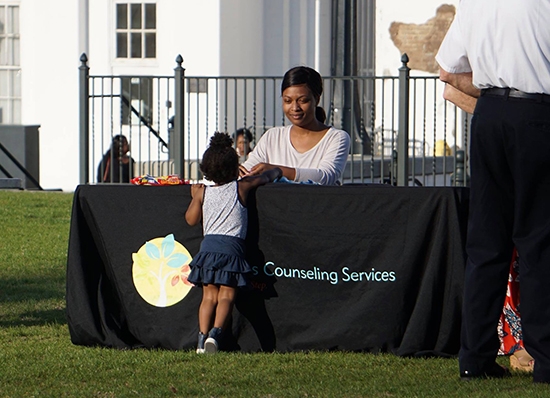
11 183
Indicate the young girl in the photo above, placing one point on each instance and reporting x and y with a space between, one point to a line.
220 266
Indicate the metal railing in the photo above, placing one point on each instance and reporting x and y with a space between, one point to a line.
19 166
402 130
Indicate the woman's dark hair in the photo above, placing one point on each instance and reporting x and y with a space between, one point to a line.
244 131
312 79
303 75
220 162
116 147
118 142
320 114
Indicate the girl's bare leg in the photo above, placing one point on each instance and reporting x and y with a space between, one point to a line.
207 308
226 299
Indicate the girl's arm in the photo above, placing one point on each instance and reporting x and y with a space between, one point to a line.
193 215
248 183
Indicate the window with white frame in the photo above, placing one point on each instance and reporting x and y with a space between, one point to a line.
10 69
136 34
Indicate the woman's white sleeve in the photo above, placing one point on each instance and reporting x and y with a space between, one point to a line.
332 164
258 154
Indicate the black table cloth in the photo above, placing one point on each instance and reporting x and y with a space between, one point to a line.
359 268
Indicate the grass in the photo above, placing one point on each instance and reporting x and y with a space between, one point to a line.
37 358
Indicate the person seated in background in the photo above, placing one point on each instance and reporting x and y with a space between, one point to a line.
116 166
243 139
307 149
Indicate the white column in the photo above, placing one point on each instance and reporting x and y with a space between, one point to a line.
83 27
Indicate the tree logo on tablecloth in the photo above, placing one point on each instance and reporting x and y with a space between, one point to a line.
160 271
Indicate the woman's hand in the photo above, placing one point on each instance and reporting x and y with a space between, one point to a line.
243 172
260 168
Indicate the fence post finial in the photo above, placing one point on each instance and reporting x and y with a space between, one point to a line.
177 147
403 135
84 117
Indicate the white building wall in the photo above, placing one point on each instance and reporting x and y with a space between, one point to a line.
266 38
214 37
49 84
52 40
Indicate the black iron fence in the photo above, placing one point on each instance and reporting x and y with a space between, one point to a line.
402 130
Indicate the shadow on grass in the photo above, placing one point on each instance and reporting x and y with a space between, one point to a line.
32 301
35 318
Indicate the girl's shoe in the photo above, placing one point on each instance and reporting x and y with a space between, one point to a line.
200 343
522 361
210 346
211 343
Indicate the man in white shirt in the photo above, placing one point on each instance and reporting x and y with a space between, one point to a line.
496 58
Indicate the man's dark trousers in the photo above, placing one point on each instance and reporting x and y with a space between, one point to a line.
509 206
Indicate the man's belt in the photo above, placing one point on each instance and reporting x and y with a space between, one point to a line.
513 93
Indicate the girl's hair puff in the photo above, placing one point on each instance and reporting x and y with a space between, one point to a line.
220 162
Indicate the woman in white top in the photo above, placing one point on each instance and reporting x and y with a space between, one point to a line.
307 149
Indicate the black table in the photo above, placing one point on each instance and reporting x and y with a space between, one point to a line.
360 268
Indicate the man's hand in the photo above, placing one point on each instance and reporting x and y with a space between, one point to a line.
460 81
464 101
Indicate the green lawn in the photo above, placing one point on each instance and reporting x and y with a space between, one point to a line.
37 358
